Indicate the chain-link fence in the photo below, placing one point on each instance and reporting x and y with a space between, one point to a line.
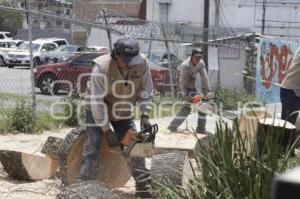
58 47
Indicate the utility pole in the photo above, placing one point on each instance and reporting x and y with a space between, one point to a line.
263 16
205 32
217 15
29 23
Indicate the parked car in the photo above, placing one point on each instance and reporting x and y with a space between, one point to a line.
7 45
100 49
63 53
160 57
21 55
5 35
69 71
58 41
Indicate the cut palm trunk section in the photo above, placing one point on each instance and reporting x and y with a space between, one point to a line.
24 166
87 189
52 146
170 169
113 169
245 125
273 133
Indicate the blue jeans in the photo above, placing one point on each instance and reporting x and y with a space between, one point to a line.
90 155
290 103
184 112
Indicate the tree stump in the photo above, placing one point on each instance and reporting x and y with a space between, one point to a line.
52 146
24 166
89 189
247 123
272 132
113 169
170 169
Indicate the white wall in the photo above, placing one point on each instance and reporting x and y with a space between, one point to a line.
180 11
248 14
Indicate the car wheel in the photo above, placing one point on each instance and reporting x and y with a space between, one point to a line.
47 84
2 62
10 65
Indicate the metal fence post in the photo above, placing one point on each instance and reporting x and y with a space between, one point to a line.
169 62
108 31
29 23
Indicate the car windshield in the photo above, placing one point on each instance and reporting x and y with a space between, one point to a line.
12 45
67 49
25 46
155 56
8 34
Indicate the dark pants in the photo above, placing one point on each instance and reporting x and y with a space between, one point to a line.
290 103
90 155
184 112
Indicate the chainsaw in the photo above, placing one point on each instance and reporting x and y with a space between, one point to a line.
141 137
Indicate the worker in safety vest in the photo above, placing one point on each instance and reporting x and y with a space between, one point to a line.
187 82
290 91
118 81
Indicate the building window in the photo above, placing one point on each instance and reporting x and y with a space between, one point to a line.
68 12
58 22
67 25
48 25
163 12
36 25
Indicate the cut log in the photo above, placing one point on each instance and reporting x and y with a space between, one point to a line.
52 146
179 141
247 123
273 131
24 166
87 189
170 169
113 168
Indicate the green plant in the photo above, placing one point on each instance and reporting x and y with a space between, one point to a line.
70 109
22 118
229 98
230 170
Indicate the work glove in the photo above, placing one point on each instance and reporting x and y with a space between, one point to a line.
111 138
145 124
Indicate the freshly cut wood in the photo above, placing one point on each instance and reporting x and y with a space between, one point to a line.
87 189
275 131
166 142
170 169
247 123
113 168
52 146
24 166
248 120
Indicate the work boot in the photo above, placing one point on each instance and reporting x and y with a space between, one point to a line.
143 187
142 177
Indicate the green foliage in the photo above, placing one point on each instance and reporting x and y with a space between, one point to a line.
229 98
231 169
71 109
10 20
22 118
